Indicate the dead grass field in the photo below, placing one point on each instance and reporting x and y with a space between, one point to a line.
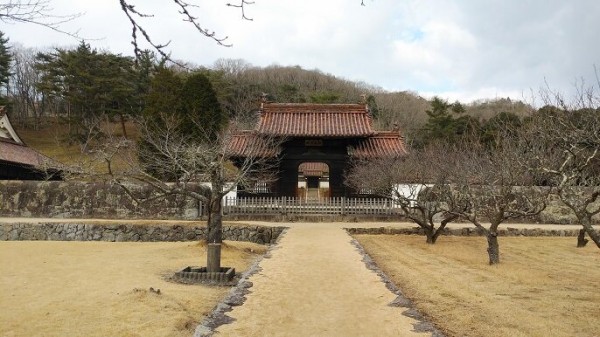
51 140
57 288
543 286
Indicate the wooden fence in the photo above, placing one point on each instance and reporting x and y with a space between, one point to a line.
299 206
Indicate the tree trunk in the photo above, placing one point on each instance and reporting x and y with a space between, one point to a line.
123 126
436 235
440 229
430 236
581 240
493 247
213 260
587 227
214 237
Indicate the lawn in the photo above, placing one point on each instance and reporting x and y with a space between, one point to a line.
543 286
58 288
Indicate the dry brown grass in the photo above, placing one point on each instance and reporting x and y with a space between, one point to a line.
543 286
52 288
51 139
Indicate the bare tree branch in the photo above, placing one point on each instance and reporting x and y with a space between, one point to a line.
138 31
241 5
37 12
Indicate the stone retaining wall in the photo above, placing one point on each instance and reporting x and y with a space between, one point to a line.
75 199
467 231
129 232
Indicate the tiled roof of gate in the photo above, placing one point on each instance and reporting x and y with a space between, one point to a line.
315 120
249 144
382 144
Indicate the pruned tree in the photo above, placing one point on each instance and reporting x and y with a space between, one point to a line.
203 164
490 185
414 183
195 159
563 145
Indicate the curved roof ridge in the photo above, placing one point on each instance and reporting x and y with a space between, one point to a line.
315 120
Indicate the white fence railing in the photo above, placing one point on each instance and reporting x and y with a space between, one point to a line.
299 206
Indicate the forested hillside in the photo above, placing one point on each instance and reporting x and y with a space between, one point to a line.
82 87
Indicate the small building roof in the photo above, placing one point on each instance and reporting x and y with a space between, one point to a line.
14 151
21 154
315 120
7 133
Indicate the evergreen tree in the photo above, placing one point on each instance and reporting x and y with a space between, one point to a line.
164 93
93 85
200 108
504 122
442 124
145 67
373 108
162 102
190 107
325 98
5 60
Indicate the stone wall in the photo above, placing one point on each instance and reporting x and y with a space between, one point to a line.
128 232
467 231
73 199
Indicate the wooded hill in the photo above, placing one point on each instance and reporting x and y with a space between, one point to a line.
74 84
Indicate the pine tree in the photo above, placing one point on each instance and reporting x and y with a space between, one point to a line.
200 108
5 61
442 124
162 103
93 85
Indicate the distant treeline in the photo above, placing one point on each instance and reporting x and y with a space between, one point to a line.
83 86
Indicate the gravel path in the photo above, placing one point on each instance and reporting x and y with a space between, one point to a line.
316 284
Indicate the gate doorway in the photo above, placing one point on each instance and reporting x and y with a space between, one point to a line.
313 181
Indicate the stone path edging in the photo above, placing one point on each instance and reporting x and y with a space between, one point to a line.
236 296
466 231
401 301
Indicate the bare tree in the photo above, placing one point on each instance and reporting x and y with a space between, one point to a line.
27 99
490 185
563 146
414 183
204 168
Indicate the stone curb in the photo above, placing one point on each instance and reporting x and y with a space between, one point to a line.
466 231
236 297
422 325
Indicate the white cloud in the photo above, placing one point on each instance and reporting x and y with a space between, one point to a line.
463 49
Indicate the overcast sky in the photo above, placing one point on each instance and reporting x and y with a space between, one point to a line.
456 49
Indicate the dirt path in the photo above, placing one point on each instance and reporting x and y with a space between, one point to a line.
315 284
